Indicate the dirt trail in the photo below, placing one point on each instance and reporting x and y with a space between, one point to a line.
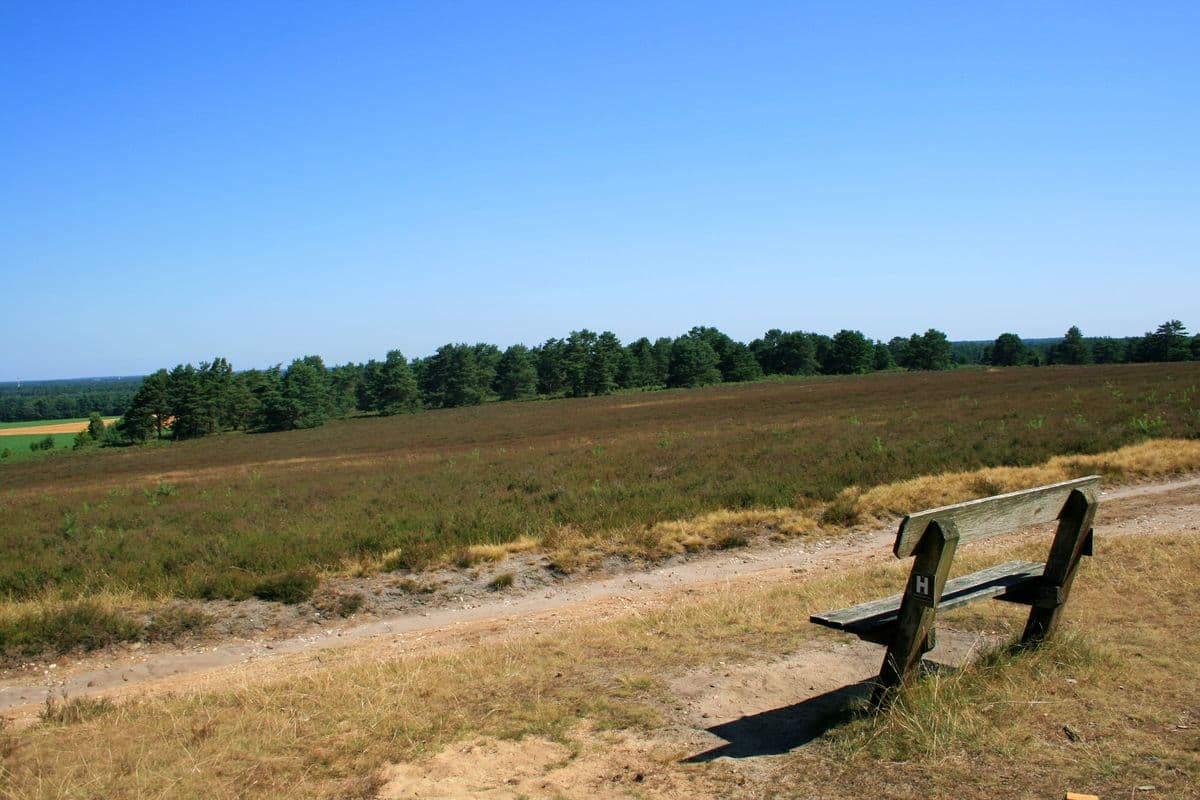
1144 508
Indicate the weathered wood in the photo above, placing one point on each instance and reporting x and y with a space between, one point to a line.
918 607
979 519
864 618
1071 540
906 621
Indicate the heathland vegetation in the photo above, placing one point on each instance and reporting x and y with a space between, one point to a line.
211 397
240 515
188 402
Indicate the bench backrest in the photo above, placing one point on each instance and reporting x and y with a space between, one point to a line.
979 519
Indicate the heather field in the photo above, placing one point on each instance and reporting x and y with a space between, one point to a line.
218 517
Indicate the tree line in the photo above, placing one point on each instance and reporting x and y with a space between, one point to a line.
69 399
1168 342
190 401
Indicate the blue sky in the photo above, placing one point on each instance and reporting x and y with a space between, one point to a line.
267 180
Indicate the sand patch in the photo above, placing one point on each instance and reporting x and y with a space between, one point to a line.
586 765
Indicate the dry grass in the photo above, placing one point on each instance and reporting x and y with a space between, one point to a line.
72 710
1125 677
1107 707
714 531
314 736
1145 461
572 549
479 553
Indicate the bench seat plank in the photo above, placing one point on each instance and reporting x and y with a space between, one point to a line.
866 617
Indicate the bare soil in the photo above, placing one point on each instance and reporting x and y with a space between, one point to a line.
455 608
725 718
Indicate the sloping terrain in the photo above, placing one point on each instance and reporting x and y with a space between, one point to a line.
1144 508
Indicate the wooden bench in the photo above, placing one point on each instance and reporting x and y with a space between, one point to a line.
905 622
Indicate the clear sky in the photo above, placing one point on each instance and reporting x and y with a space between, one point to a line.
267 180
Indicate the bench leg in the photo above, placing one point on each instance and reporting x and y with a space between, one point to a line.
1073 534
918 609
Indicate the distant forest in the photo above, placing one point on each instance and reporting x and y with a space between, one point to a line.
66 399
190 401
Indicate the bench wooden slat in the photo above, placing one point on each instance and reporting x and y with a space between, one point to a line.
979 519
989 582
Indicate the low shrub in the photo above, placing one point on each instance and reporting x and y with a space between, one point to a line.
291 587
413 586
502 581
82 625
844 510
175 622
232 584
728 540
341 604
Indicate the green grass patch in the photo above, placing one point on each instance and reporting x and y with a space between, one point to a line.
17 446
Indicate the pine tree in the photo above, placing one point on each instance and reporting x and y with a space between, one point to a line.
390 385
1072 350
516 377
852 353
1008 351
693 363
306 392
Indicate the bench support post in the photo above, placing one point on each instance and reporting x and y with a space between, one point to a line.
1072 539
918 609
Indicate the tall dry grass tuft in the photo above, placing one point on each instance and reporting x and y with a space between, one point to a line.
1148 460
480 553
716 530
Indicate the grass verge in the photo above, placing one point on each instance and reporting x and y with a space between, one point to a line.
571 549
39 629
1125 678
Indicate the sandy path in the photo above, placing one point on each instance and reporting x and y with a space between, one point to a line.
1145 508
